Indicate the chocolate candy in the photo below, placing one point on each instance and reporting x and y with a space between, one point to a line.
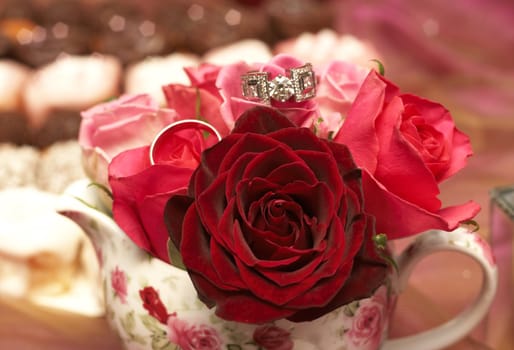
13 128
42 45
293 17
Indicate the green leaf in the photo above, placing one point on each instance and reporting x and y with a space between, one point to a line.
351 309
474 225
137 338
390 260
381 244
150 323
234 347
87 204
174 255
198 105
101 187
380 241
381 69
161 342
128 322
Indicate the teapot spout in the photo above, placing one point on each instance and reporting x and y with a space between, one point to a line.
81 203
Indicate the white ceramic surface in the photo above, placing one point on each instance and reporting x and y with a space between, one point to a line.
180 321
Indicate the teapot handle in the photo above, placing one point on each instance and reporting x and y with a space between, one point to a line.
470 244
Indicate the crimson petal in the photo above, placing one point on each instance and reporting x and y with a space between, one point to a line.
261 120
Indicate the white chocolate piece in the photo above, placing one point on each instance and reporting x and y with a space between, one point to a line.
328 45
150 75
44 256
71 83
13 77
249 50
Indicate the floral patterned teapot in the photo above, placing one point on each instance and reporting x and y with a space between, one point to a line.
153 305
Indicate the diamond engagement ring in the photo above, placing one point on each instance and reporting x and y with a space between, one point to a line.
301 84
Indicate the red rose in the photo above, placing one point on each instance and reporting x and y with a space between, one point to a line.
153 304
193 101
406 145
204 77
141 190
271 337
273 225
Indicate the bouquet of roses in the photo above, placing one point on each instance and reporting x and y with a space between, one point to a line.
276 185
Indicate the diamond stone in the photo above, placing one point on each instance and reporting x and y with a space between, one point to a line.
251 90
255 86
304 82
281 88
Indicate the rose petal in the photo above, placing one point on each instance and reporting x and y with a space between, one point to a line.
140 196
399 218
358 130
265 162
130 162
151 212
299 139
120 133
174 213
367 275
327 288
245 255
224 265
261 120
195 249
327 269
241 307
282 175
211 204
325 169
400 167
184 100
436 115
210 163
229 84
204 77
317 201
354 289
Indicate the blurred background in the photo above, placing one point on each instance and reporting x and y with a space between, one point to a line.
58 57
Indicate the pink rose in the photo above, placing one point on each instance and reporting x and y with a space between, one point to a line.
112 127
406 145
367 326
271 337
192 337
141 190
229 83
119 284
339 83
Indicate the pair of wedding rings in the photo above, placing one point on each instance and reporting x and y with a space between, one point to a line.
300 84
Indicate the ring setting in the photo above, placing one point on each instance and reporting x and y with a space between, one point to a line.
300 84
165 136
